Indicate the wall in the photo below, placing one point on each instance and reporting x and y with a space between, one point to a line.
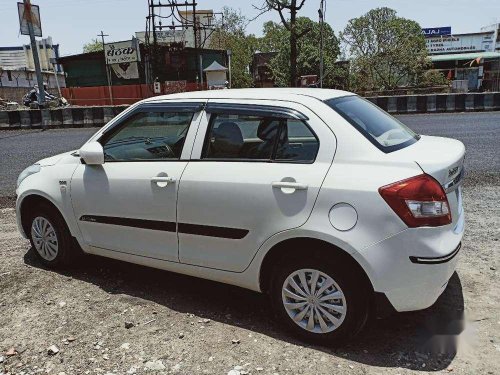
15 94
27 79
126 94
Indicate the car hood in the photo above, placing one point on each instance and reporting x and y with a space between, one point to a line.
65 157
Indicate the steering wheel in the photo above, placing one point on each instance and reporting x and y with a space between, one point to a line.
169 150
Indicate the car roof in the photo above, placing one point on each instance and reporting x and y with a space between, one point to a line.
254 93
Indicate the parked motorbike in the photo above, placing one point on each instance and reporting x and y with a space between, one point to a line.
51 101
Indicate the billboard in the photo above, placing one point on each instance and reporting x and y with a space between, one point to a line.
122 52
436 31
478 42
29 13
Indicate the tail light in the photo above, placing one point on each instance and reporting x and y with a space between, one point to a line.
419 201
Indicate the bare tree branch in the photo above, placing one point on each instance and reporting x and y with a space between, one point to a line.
301 5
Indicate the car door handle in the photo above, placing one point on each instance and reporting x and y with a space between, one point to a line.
289 185
162 181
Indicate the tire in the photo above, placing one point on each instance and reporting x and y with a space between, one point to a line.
352 302
50 238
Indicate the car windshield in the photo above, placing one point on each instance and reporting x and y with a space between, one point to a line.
381 129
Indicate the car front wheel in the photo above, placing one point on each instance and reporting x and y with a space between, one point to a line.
319 301
50 237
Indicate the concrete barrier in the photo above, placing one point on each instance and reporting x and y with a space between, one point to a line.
79 117
69 117
433 103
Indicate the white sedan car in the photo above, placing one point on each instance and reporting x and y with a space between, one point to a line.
316 197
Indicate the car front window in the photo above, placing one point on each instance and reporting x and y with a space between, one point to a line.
148 136
380 128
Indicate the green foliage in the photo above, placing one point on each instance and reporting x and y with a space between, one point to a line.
230 35
93 46
276 39
433 77
387 51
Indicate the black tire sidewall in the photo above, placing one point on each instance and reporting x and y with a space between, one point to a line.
354 291
62 233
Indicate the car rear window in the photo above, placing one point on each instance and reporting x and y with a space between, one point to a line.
380 128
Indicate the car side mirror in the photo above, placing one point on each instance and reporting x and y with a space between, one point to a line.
92 153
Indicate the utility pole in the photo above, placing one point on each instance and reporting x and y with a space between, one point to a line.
229 53
34 52
173 6
321 11
53 61
108 75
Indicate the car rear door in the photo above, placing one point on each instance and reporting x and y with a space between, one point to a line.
256 170
128 204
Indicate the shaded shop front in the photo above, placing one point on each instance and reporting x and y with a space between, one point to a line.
469 72
87 75
470 61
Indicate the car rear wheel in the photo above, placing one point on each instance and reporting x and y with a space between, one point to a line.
319 301
50 237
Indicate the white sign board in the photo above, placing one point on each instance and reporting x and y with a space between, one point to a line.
29 13
479 42
163 37
121 52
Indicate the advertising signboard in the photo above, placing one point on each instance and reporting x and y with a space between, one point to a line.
121 52
29 13
436 31
479 42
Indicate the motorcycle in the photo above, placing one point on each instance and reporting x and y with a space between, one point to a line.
30 100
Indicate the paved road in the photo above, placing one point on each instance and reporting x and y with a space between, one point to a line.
480 133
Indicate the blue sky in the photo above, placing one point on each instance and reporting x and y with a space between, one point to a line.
71 23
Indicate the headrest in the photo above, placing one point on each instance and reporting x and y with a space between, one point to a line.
268 129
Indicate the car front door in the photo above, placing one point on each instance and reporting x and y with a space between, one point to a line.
128 204
256 170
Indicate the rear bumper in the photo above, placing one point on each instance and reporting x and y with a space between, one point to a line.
436 260
412 268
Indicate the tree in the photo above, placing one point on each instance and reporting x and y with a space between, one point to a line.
433 77
230 34
386 50
294 33
92 46
308 53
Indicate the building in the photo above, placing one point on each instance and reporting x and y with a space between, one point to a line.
177 64
17 68
259 68
471 61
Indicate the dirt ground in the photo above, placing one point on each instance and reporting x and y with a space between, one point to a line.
184 325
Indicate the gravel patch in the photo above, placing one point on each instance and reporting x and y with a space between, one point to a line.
109 317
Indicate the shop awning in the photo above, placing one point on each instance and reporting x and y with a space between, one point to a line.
465 56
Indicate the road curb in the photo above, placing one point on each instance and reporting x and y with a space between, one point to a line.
96 116
70 117
438 103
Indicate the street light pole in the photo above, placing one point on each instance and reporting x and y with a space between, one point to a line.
34 52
